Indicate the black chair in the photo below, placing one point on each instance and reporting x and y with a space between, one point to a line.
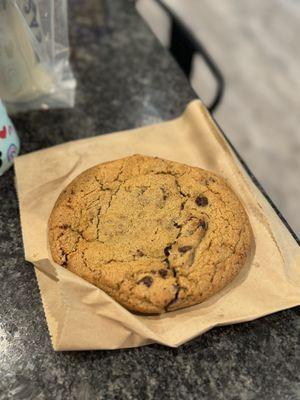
183 46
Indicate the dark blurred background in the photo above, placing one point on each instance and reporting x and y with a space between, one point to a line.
255 44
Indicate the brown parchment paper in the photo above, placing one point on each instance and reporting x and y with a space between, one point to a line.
81 316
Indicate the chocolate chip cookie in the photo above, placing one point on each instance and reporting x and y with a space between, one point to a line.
156 235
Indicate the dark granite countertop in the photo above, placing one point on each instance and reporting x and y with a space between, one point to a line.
125 79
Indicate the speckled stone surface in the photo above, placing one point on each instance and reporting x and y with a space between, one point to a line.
125 80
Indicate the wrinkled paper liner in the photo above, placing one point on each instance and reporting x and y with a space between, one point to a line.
82 317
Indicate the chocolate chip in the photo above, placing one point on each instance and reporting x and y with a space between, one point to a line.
165 194
184 249
64 226
163 273
201 201
139 253
202 224
167 251
147 281
210 179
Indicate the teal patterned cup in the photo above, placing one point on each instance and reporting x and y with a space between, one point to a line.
9 141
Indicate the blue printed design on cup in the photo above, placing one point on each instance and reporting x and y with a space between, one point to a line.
9 141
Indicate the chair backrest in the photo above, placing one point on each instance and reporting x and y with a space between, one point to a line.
184 46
